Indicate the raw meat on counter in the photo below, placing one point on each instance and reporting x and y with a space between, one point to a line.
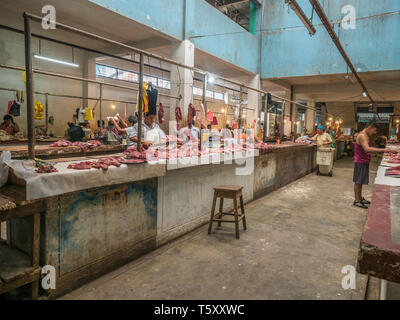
395 171
393 158
83 145
103 163
61 144
46 169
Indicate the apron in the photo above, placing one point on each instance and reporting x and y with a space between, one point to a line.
152 136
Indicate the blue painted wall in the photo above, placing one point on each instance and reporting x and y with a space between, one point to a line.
180 19
288 50
165 16
220 36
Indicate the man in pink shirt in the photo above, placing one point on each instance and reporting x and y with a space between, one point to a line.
362 158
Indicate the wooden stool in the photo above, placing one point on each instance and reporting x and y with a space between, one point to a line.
228 192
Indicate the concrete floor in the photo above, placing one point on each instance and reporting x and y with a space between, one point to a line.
298 240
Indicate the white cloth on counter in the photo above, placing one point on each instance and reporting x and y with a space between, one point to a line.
44 185
382 179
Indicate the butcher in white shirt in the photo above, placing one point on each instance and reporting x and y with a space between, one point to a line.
149 128
189 134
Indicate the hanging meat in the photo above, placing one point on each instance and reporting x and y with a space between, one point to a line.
161 112
202 117
191 115
178 117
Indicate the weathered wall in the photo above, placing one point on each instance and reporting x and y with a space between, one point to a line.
89 233
186 196
86 234
373 46
275 170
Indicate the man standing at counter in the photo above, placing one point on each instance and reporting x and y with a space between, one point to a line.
322 138
362 158
151 131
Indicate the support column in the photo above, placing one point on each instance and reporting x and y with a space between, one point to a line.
181 78
310 116
254 101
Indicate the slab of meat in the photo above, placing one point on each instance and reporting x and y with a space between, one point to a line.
161 112
395 171
82 145
131 161
46 169
85 165
94 143
133 153
103 163
191 115
61 143
178 117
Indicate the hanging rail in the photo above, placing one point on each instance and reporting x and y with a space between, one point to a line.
152 55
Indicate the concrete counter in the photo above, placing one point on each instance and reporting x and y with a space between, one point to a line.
90 232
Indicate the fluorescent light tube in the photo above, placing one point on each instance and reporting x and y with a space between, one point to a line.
57 61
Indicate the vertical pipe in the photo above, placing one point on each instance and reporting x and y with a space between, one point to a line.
283 119
29 89
139 103
101 102
265 119
240 107
292 113
239 135
204 93
47 114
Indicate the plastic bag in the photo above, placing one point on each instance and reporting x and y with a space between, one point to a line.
5 158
